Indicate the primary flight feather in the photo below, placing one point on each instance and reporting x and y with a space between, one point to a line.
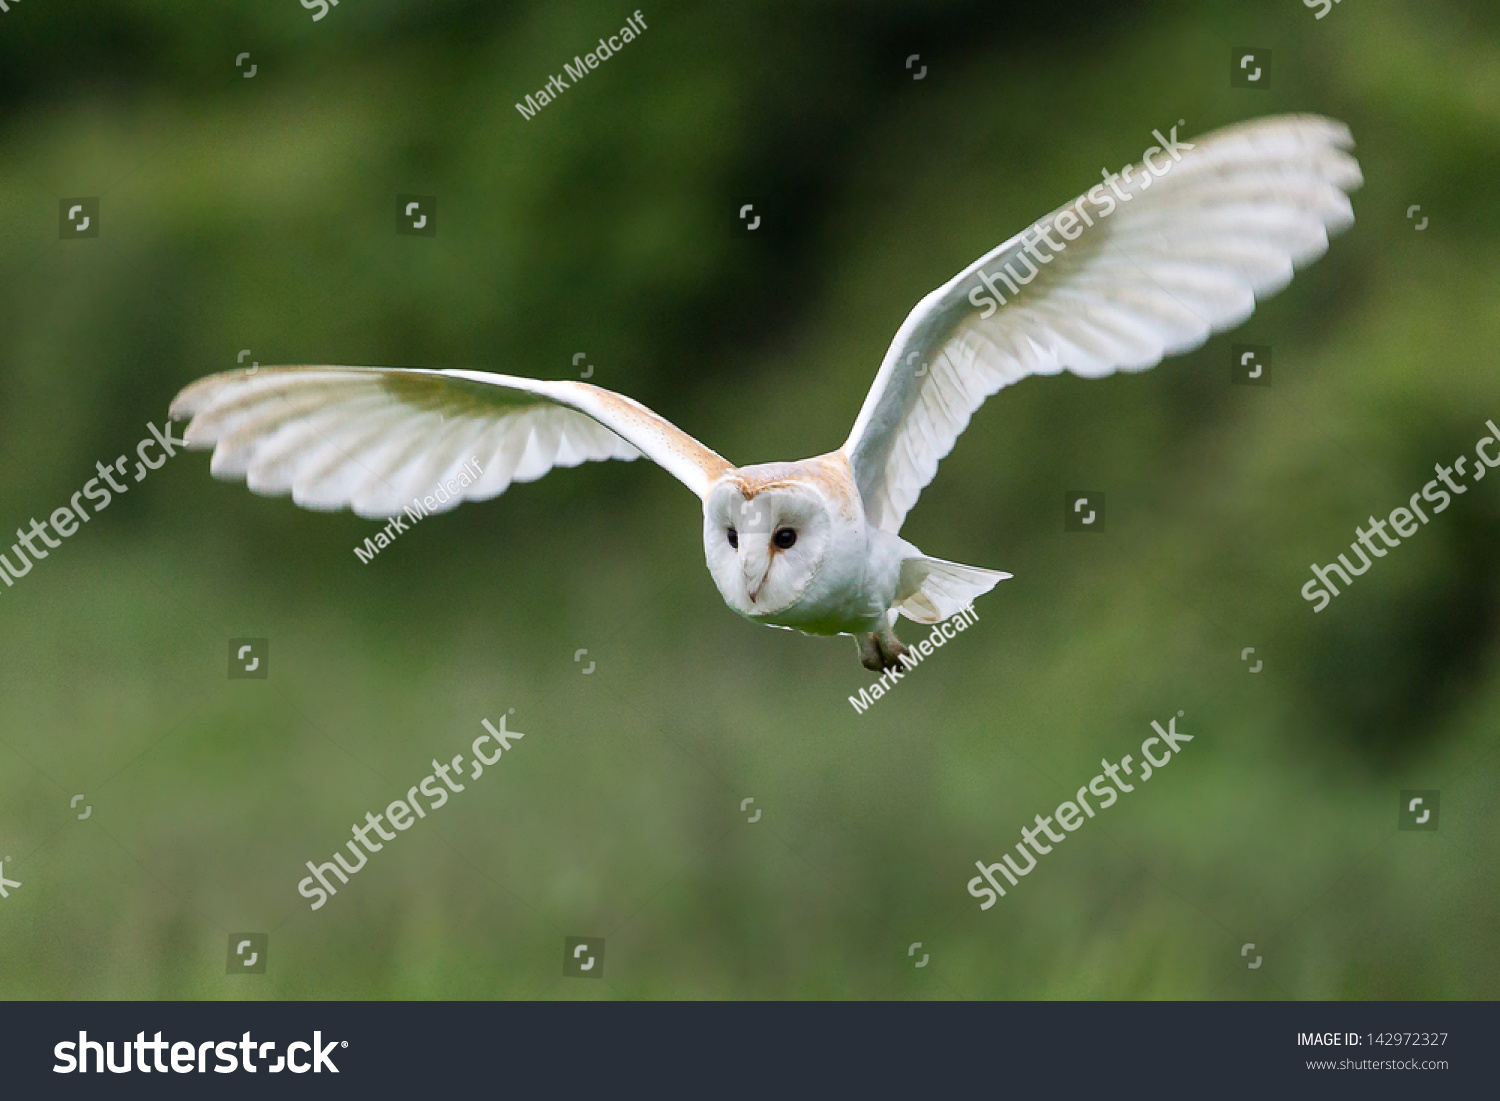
1152 265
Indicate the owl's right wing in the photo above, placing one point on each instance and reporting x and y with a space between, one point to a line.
376 438
1185 252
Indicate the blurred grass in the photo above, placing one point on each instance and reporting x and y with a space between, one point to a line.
256 214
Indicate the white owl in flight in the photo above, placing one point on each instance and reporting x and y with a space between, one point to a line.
1182 249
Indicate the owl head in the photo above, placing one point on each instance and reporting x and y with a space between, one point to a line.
765 538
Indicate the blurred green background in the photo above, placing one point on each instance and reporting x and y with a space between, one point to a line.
259 214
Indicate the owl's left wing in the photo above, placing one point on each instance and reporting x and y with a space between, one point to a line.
375 438
1185 255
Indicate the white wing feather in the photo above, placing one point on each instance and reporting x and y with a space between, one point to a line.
1185 256
375 438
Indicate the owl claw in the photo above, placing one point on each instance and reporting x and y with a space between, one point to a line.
881 651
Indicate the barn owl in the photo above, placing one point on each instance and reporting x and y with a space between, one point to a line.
1184 246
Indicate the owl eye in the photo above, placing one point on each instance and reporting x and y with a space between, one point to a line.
784 538
734 539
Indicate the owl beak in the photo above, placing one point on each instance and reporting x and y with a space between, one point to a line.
755 561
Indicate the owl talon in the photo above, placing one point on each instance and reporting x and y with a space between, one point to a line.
881 652
894 650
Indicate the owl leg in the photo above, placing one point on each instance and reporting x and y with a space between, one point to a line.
881 650
892 648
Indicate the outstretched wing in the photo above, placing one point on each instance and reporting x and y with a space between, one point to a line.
375 438
1093 289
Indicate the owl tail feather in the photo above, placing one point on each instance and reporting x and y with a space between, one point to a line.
930 590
